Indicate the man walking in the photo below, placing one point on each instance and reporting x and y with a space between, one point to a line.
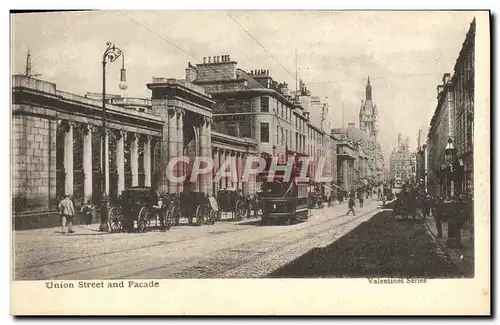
67 213
361 200
351 205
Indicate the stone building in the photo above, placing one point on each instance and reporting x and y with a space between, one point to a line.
463 124
441 130
58 145
252 104
368 122
452 127
400 161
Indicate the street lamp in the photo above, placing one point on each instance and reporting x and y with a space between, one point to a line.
110 55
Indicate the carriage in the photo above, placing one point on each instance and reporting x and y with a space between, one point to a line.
138 208
232 201
316 198
408 203
193 205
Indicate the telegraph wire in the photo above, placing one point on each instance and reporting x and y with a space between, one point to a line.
163 38
260 44
378 78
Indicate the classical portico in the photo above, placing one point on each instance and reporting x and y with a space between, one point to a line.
59 144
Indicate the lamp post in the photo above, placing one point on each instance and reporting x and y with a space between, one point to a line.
449 153
110 55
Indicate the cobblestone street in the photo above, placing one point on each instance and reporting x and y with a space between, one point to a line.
225 250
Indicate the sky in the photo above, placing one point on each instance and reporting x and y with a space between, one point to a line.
404 53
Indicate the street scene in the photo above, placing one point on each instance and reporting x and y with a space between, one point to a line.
250 151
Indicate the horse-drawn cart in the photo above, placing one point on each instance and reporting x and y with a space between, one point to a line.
138 208
195 205
231 201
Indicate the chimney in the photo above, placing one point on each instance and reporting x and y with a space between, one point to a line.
439 90
228 57
191 73
204 60
218 59
446 78
209 59
284 89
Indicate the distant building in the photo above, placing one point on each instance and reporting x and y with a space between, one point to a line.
400 161
368 121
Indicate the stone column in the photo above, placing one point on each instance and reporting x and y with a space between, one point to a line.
68 159
223 180
180 147
87 162
120 163
169 144
147 160
239 169
214 185
230 182
134 161
205 179
208 150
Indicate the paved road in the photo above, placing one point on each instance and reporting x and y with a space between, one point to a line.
380 247
227 249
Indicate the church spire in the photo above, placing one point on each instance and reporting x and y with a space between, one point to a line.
368 90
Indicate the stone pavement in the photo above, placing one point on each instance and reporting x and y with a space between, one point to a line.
463 257
46 253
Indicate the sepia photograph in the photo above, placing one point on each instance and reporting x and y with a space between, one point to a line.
149 147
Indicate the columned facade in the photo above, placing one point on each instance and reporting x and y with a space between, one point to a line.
59 146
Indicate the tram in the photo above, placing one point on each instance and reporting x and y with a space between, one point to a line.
283 200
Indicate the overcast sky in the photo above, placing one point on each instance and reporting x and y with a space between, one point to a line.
405 54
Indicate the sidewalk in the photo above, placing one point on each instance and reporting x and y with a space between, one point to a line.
463 257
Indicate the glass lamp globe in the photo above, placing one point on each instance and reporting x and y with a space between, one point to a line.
123 85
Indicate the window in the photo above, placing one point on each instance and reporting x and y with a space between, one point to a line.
233 129
282 109
286 137
264 104
277 135
264 132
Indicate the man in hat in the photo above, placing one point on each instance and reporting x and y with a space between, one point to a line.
67 213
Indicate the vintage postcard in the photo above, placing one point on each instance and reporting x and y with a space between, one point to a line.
250 162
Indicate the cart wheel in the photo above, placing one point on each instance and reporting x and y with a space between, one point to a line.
168 220
240 210
174 215
198 216
115 220
143 220
213 216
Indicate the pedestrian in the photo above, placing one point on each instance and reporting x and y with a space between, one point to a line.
351 204
361 200
330 198
67 213
86 210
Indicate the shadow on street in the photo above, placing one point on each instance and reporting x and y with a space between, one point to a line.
379 247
